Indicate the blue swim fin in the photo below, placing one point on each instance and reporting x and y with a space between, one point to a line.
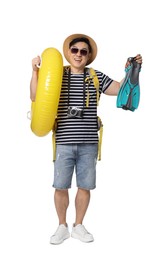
129 94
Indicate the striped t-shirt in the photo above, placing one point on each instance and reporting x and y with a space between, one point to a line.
85 129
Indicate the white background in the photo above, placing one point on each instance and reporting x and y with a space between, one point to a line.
128 211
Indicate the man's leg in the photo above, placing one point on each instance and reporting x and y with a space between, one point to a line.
81 203
61 199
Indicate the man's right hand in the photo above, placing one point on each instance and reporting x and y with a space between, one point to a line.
36 63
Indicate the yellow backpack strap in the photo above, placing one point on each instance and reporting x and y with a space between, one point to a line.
92 77
54 140
99 121
96 82
100 128
66 68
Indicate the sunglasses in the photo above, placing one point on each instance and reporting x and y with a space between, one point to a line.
75 50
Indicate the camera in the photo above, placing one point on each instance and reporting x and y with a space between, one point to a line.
75 112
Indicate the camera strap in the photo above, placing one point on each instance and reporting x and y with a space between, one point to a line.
69 84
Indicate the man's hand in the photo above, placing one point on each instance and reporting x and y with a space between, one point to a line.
137 58
36 63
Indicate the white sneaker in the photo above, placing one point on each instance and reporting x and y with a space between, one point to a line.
60 235
80 232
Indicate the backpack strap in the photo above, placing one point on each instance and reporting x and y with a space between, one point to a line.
100 129
92 77
54 139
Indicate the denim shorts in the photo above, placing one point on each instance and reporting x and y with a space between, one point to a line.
82 159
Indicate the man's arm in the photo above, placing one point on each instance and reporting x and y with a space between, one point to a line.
34 80
114 87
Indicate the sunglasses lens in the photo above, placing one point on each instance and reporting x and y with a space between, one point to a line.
83 52
74 50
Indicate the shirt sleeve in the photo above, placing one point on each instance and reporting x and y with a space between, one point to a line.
104 81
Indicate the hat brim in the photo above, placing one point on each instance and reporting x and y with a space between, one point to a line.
74 36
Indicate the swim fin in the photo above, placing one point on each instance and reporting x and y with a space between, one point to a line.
129 94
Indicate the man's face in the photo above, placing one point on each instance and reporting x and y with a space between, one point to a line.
79 55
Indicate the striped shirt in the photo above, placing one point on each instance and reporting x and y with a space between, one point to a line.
85 129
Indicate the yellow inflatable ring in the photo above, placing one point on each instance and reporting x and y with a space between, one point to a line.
44 108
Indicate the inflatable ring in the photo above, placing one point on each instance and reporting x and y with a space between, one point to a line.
44 108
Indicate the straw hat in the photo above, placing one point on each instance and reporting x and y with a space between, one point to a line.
78 35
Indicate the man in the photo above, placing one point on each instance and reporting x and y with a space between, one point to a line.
77 132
